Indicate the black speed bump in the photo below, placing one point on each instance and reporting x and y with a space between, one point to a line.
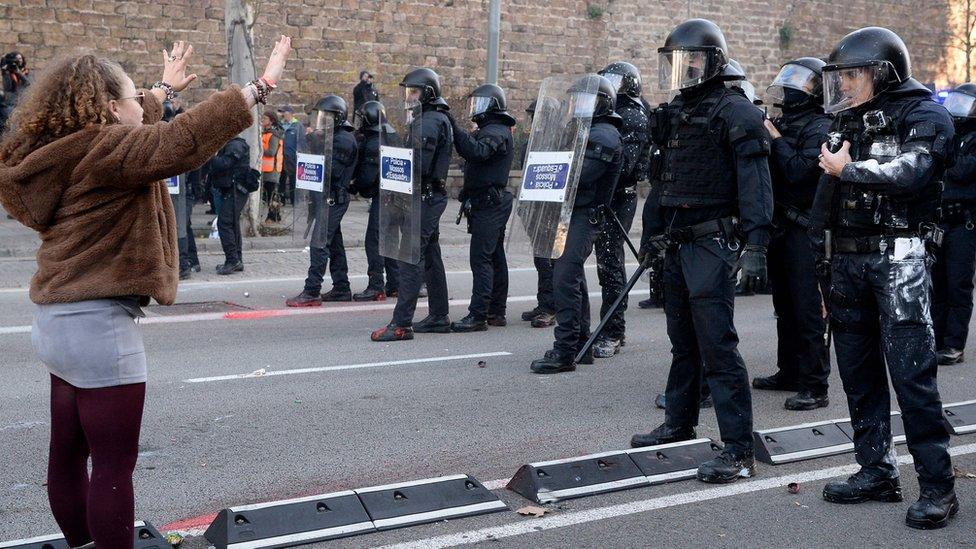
960 417
146 537
289 522
429 500
556 480
675 461
897 428
800 442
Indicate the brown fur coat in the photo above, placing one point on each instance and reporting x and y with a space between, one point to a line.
96 197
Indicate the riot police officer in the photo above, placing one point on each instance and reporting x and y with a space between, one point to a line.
714 169
374 128
488 153
875 214
602 163
333 253
802 358
422 92
609 246
543 314
955 260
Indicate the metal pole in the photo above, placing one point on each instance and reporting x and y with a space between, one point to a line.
494 22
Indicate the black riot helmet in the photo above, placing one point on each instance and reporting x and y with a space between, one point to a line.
169 113
331 106
865 63
372 116
734 76
427 83
798 84
961 102
593 96
531 108
694 53
489 99
625 77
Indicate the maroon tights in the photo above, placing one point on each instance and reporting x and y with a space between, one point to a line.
104 424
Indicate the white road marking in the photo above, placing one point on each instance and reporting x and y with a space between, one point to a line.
613 511
240 281
273 373
278 313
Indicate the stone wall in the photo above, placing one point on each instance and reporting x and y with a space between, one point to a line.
335 39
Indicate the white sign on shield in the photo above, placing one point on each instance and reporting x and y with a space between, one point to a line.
310 172
545 175
173 184
396 169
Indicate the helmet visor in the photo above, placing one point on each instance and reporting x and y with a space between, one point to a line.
582 104
793 77
961 105
680 69
616 80
849 87
480 105
747 88
411 97
324 119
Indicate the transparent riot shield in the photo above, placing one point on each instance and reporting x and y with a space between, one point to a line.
401 169
313 179
553 161
176 186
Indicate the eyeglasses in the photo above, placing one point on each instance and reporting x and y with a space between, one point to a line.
139 97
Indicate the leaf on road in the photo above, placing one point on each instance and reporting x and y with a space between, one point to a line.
962 473
532 510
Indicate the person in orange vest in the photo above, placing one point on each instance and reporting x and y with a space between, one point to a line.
271 159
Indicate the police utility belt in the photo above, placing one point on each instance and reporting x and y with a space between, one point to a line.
725 226
795 216
930 233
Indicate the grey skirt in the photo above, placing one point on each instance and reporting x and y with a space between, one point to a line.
90 344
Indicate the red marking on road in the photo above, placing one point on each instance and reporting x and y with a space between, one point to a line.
255 315
193 523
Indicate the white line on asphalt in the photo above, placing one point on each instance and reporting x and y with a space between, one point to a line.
263 314
613 511
238 282
343 367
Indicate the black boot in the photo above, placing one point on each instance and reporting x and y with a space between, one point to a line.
661 401
304 299
806 400
392 333
662 435
433 325
337 295
230 268
949 356
933 509
186 273
727 468
369 294
469 324
543 320
775 382
497 320
861 487
553 362
529 315
587 357
606 347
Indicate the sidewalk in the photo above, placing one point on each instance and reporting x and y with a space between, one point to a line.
17 241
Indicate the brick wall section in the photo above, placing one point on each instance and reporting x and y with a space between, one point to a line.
334 39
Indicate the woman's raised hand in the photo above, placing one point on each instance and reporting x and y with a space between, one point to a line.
276 62
174 66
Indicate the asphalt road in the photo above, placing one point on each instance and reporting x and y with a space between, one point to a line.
426 408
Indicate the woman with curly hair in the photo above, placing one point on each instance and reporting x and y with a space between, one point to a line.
83 166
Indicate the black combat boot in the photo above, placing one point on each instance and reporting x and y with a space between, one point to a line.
727 468
433 325
553 362
469 324
861 487
933 509
662 435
